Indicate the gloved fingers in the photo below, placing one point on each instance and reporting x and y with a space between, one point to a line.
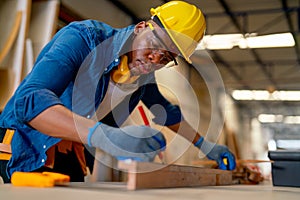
160 139
227 161
221 164
122 158
157 143
157 148
130 142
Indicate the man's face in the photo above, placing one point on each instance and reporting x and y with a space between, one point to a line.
148 52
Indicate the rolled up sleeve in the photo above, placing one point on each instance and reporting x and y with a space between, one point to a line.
54 71
30 105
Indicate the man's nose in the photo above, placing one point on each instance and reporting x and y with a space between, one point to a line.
154 58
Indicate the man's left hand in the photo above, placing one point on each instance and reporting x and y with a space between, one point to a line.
220 153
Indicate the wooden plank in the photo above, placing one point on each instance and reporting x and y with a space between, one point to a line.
18 57
6 80
142 175
13 56
6 148
213 163
43 23
12 36
43 26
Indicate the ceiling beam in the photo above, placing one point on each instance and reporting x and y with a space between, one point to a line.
251 12
218 58
291 27
232 17
126 10
258 60
243 30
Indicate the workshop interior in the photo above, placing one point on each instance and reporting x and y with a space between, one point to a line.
242 89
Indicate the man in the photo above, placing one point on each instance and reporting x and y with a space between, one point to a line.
85 83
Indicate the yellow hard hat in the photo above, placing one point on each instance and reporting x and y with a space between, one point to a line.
184 23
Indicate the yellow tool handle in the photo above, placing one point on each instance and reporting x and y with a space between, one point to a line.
225 161
36 179
58 177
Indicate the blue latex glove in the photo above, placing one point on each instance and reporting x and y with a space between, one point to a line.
140 143
218 153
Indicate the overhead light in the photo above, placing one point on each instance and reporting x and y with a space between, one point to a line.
220 41
272 145
292 120
269 41
270 118
249 40
265 95
288 144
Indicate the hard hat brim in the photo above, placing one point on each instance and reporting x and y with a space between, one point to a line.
159 21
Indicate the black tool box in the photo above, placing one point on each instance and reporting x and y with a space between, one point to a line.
285 167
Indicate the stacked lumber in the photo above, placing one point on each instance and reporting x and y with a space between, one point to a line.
246 171
247 174
26 26
13 23
143 175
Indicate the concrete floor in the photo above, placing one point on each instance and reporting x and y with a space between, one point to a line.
264 191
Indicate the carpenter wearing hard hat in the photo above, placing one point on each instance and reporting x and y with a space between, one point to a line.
85 83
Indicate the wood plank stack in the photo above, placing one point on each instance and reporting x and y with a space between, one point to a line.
26 26
14 17
154 175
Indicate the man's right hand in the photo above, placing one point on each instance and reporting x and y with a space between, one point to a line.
140 143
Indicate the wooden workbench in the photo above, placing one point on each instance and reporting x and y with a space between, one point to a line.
119 192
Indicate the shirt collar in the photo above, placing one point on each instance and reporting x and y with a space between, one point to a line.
120 44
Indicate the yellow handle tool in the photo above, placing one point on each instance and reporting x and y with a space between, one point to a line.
225 161
37 179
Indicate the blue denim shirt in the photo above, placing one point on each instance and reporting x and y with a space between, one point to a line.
73 70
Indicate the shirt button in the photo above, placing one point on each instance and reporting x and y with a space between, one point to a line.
44 146
117 60
105 69
89 116
43 160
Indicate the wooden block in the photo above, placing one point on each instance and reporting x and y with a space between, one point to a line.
142 175
12 36
6 148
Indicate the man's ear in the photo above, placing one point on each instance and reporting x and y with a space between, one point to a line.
139 27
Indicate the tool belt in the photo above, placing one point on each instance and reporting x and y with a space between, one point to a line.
63 147
5 147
